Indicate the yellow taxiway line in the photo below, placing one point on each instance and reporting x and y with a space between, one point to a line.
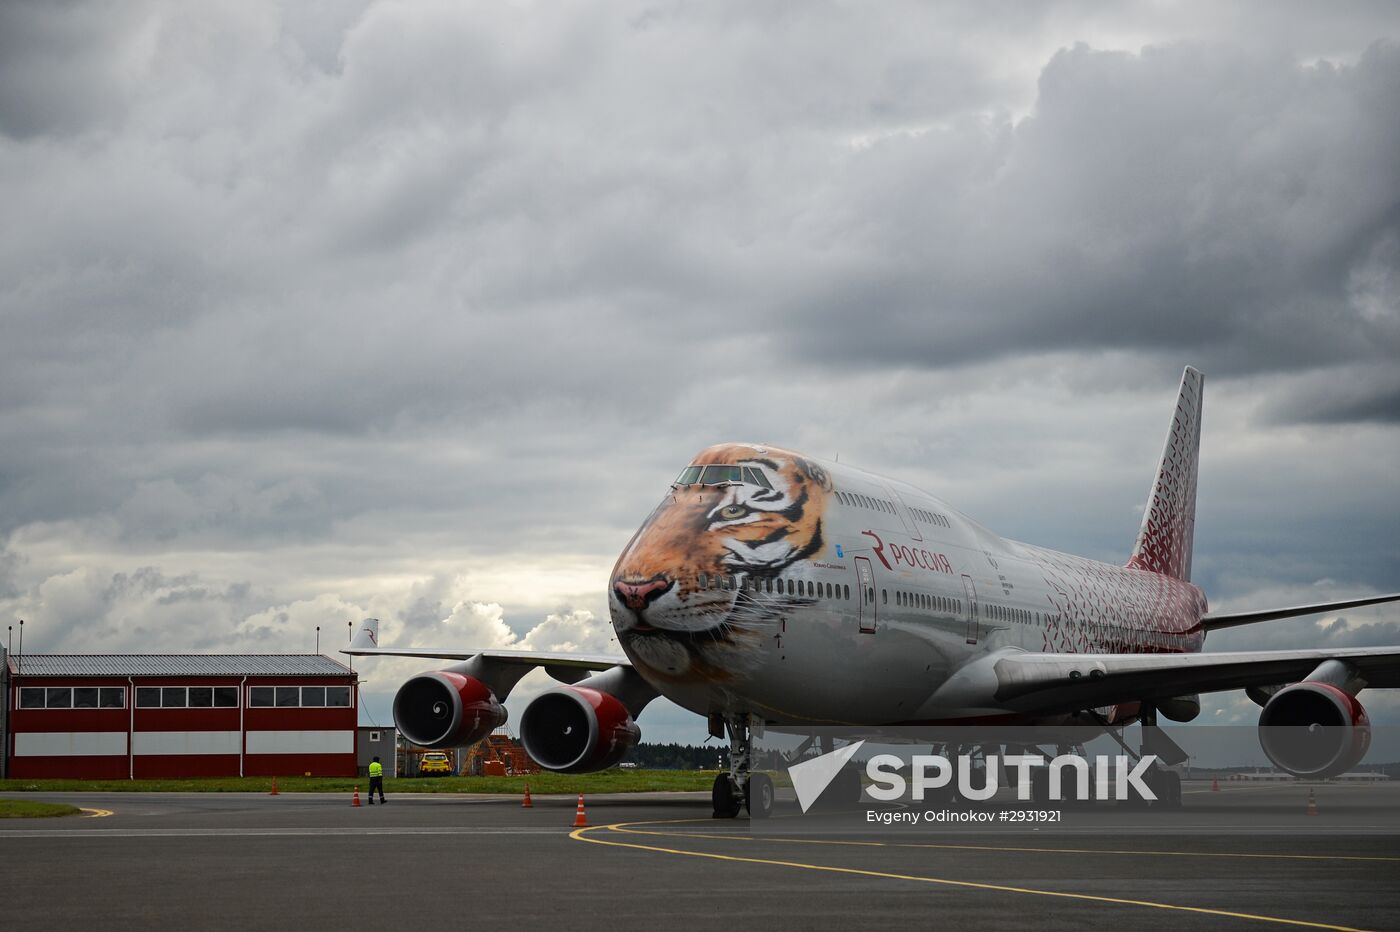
624 827
95 813
582 834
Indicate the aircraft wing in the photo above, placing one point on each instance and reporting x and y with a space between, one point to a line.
528 658
1054 683
1217 620
366 644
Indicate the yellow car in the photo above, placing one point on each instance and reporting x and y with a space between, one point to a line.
435 762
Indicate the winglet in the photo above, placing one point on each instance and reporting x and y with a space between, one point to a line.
367 636
1169 524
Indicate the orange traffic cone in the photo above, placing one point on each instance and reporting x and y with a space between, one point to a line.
1312 803
274 788
1215 784
355 800
580 817
527 804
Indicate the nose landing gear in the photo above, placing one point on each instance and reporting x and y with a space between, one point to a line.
739 789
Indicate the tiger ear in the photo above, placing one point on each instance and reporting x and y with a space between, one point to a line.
814 473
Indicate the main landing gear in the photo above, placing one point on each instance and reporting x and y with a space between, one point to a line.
739 788
1165 784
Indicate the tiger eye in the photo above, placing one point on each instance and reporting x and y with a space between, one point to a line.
733 511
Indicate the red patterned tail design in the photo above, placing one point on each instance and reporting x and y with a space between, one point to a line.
1164 542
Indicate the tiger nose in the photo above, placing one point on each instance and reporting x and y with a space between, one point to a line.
638 596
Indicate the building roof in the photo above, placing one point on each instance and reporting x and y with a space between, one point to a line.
177 665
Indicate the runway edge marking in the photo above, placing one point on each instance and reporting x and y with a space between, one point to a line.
582 834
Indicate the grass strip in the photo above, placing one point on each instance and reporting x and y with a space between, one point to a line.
609 781
25 809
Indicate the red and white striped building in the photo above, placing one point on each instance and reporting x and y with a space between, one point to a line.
136 716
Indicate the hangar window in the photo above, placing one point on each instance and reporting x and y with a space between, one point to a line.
85 697
313 697
59 697
338 697
148 697
260 697
31 697
201 697
173 697
225 697
112 697
376 736
287 697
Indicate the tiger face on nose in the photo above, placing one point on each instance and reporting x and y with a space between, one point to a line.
678 597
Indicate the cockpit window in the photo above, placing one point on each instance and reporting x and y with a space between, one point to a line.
755 476
718 475
689 476
714 475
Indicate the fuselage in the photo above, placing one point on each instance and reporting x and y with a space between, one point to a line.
775 584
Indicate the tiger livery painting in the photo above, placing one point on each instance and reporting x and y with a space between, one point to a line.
694 593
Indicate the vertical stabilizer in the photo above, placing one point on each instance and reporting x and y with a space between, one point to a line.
1164 542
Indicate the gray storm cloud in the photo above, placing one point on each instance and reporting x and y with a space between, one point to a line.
320 310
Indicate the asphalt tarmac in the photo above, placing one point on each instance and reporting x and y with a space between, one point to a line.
295 861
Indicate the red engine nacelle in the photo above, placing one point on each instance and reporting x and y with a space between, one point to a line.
444 709
575 729
1314 729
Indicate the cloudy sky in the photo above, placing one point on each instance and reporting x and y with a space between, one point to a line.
313 311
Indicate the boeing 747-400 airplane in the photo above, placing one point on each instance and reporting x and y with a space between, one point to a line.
772 588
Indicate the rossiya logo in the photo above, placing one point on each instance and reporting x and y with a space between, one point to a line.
1068 776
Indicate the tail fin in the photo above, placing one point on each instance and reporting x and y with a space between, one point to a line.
1164 542
368 635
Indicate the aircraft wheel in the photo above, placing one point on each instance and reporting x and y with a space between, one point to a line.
1168 790
758 796
725 797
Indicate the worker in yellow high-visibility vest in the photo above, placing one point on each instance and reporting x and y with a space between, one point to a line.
376 780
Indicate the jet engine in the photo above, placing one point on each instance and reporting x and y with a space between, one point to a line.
577 729
1314 729
446 709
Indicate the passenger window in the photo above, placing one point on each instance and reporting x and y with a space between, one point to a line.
704 581
848 592
884 597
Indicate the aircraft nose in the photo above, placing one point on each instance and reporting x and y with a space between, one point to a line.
638 596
